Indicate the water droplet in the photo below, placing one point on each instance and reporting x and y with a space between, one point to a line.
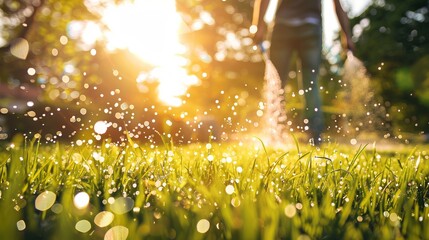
100 127
386 214
45 200
235 202
83 226
394 217
31 71
31 114
203 226
229 189
64 40
21 225
290 211
4 110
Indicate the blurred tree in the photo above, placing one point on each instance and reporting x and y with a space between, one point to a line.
393 40
43 62
223 55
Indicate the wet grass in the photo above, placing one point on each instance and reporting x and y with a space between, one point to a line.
212 191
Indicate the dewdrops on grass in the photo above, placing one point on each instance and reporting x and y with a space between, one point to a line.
229 189
359 218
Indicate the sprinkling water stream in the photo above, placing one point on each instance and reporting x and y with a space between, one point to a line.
274 112
364 113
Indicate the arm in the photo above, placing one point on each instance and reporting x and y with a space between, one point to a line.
259 27
345 25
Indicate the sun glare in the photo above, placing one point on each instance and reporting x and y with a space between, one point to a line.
150 29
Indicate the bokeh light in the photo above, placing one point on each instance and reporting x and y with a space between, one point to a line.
45 200
117 233
83 226
103 219
203 226
81 200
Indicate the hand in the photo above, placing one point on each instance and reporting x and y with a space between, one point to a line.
347 43
350 45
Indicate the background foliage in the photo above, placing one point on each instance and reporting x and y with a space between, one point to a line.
391 39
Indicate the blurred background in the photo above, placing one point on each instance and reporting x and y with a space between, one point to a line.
188 69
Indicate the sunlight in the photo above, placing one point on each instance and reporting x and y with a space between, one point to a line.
150 29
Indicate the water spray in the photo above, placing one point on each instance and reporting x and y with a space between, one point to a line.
274 113
364 113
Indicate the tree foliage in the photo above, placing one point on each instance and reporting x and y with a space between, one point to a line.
393 40
72 76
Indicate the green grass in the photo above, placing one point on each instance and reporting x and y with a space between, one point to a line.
244 191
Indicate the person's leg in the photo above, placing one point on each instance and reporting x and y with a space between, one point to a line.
281 50
280 55
309 51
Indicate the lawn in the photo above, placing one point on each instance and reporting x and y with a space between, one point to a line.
212 191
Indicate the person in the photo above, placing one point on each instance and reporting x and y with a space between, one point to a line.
298 28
